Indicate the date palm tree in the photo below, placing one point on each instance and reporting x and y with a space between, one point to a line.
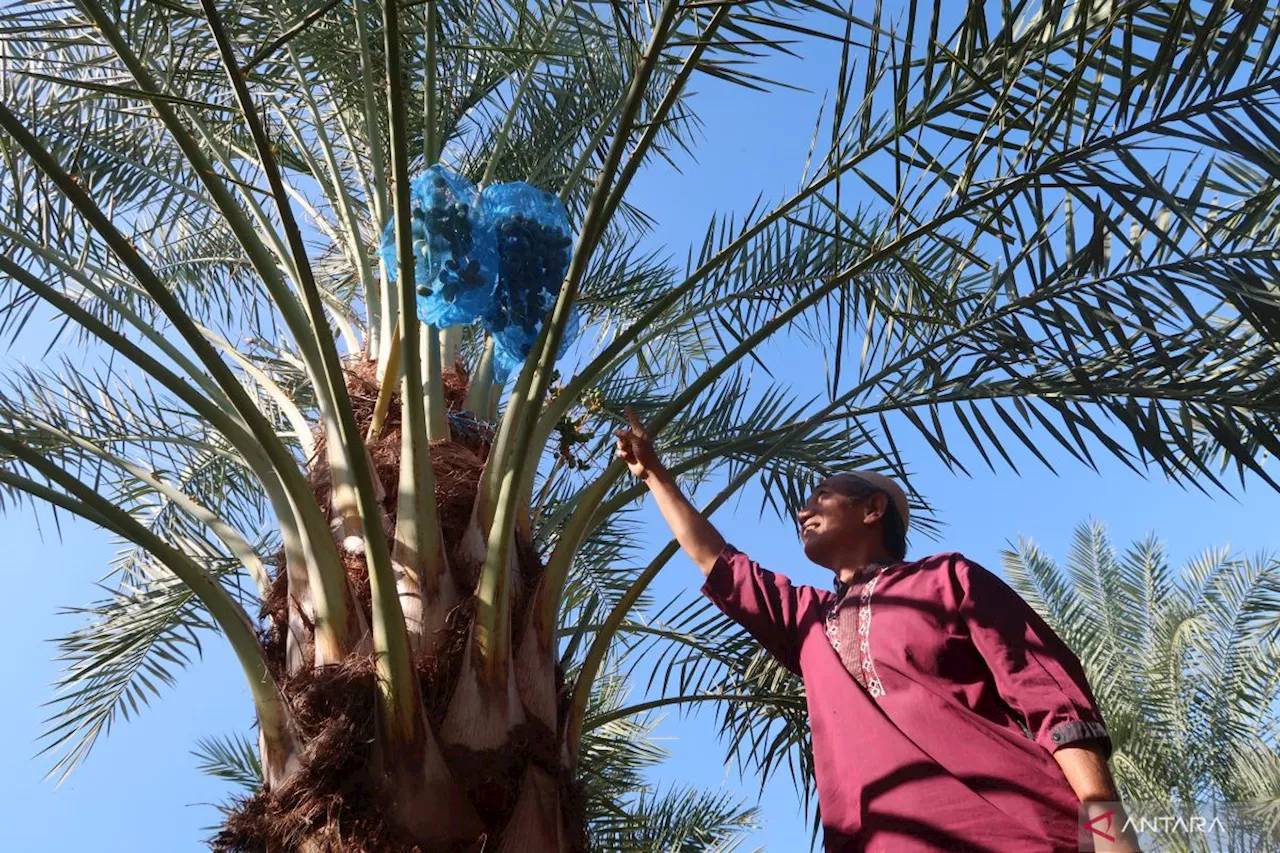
1047 225
1186 666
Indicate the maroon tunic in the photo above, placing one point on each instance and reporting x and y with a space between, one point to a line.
926 751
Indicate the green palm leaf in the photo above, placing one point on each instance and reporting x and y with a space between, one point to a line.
1040 232
1180 662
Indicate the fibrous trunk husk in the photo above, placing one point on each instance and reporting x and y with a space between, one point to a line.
537 821
535 667
490 776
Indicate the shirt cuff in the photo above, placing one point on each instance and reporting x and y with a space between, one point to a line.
1066 734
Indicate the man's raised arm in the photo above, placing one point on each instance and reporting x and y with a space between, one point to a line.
697 536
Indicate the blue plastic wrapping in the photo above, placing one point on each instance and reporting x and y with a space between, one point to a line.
511 350
534 243
454 247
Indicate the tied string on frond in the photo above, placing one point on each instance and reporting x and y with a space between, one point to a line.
469 427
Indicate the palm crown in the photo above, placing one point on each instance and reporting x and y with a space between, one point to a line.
1047 224
1184 664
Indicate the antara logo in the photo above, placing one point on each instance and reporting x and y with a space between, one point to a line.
1106 817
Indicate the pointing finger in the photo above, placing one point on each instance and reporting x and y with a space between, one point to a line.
636 426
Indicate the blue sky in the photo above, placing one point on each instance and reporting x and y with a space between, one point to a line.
759 144
139 791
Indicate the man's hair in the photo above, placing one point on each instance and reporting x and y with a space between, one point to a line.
893 532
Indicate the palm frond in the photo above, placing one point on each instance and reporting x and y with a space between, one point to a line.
1180 662
132 647
231 758
678 819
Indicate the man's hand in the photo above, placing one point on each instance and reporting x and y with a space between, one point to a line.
636 448
702 542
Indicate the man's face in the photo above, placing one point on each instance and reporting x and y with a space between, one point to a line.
831 522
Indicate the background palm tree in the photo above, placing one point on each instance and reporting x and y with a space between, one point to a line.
1046 224
1185 664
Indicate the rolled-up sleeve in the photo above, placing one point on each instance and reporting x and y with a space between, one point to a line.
1035 672
764 603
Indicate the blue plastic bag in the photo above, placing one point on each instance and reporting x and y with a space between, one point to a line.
511 350
454 248
534 243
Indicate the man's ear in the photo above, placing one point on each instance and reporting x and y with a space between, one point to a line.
877 505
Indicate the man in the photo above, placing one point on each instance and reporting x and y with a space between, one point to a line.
946 715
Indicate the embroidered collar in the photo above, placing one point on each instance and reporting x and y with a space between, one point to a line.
869 571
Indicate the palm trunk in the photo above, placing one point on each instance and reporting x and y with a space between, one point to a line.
491 774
